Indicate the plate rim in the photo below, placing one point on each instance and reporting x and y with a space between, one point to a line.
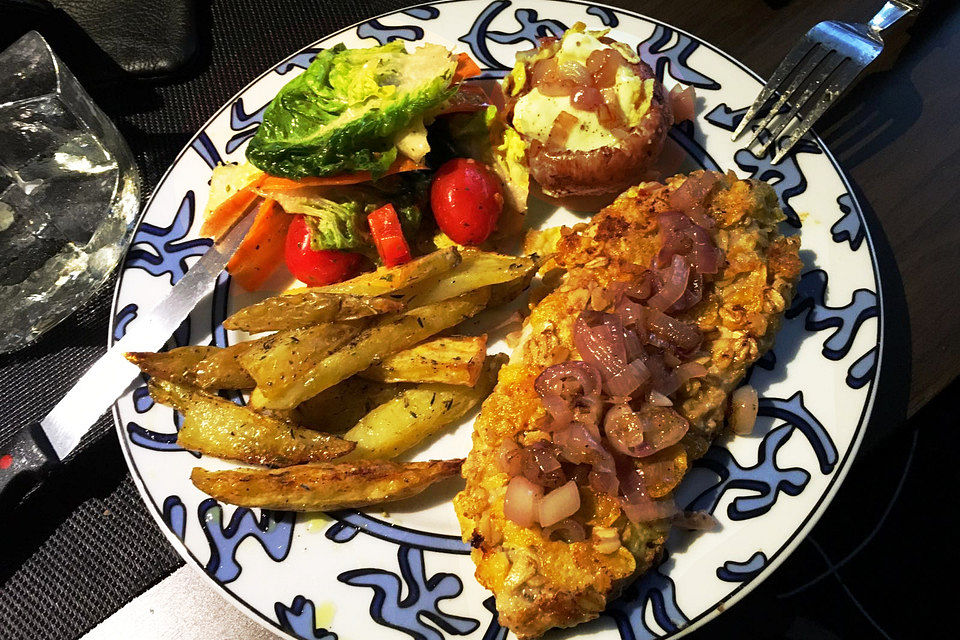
702 618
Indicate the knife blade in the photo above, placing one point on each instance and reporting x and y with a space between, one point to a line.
37 448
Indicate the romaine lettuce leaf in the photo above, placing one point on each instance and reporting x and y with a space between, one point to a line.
345 111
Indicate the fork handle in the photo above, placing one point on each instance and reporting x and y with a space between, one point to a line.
891 13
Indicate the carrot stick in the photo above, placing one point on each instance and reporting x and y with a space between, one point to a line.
466 68
231 210
275 183
262 249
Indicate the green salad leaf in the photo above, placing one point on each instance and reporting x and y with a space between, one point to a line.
346 111
337 216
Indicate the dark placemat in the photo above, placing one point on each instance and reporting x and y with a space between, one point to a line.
84 544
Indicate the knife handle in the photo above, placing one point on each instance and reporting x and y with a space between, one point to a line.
24 462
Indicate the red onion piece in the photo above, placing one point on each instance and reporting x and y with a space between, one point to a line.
560 503
605 482
662 427
682 103
689 370
573 72
521 502
567 530
587 98
685 337
603 65
554 379
691 195
695 521
579 446
624 430
637 505
675 279
657 399
540 466
648 510
562 126
744 405
510 458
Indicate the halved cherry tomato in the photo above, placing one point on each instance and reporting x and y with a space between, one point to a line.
466 200
388 236
317 268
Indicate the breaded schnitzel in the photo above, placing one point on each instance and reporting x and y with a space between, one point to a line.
539 582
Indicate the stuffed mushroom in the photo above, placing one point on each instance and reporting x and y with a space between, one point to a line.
592 112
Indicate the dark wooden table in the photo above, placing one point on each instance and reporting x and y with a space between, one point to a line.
897 135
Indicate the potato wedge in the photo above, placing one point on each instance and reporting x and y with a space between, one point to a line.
221 369
307 308
389 280
218 427
418 413
477 269
279 360
287 387
169 365
342 405
325 486
450 360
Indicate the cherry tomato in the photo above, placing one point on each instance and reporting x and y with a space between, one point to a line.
466 201
317 268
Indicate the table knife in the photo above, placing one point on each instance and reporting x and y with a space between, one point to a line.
38 448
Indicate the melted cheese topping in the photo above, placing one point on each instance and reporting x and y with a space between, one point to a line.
534 113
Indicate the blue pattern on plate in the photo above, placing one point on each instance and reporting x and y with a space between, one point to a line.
245 123
765 480
299 619
175 515
204 146
607 15
384 34
273 530
300 60
493 631
862 371
404 614
153 440
168 251
849 228
422 13
531 28
122 319
733 571
655 590
350 523
846 319
674 58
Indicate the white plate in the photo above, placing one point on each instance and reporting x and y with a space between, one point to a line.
406 573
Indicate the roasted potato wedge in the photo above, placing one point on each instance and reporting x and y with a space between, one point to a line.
324 486
390 280
307 308
477 269
450 360
342 405
281 359
169 365
218 427
221 369
287 386
417 413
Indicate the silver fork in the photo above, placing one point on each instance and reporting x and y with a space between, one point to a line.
820 67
